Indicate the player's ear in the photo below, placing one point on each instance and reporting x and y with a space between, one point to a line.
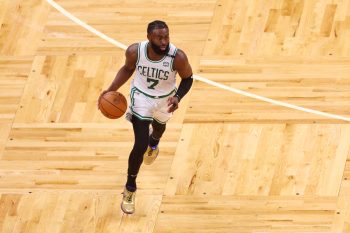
148 36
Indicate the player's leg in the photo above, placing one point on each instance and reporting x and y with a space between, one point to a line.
141 133
160 117
140 115
152 151
157 133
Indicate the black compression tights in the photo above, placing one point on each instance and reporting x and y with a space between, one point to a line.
158 129
141 133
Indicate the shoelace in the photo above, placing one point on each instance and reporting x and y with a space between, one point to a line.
129 197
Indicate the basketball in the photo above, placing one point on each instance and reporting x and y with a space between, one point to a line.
113 104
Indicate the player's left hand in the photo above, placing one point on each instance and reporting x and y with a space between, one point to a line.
173 103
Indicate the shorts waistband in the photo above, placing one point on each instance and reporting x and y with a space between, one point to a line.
152 96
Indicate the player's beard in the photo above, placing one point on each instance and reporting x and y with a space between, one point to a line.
157 49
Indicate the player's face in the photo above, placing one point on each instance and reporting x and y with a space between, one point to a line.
159 40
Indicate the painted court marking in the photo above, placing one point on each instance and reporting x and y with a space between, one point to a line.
196 77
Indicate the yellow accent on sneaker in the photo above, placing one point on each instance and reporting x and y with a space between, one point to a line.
150 155
128 203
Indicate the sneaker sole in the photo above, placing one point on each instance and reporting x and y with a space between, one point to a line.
121 207
149 163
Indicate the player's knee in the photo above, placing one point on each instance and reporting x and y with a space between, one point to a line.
141 142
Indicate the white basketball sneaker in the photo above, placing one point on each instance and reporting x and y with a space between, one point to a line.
128 202
150 155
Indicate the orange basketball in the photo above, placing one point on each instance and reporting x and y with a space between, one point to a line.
113 104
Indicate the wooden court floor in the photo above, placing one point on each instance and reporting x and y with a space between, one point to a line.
228 163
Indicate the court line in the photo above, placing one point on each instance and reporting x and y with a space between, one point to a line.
197 77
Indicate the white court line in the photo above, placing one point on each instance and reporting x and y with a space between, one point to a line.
237 91
84 25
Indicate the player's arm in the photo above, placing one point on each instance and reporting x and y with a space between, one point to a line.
127 69
183 67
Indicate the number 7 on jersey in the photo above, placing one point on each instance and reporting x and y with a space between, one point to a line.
153 83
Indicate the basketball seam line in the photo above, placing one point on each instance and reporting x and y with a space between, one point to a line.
105 112
113 105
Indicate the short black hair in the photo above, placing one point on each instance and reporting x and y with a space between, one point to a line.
157 24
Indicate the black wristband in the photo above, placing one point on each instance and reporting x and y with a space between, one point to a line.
184 87
177 96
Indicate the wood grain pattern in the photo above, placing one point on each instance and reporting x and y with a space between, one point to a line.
227 163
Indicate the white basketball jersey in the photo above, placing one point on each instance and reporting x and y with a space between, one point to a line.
155 78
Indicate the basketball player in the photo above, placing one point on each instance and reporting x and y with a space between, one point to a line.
153 95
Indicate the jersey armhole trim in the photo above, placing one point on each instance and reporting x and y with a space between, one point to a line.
138 53
172 61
